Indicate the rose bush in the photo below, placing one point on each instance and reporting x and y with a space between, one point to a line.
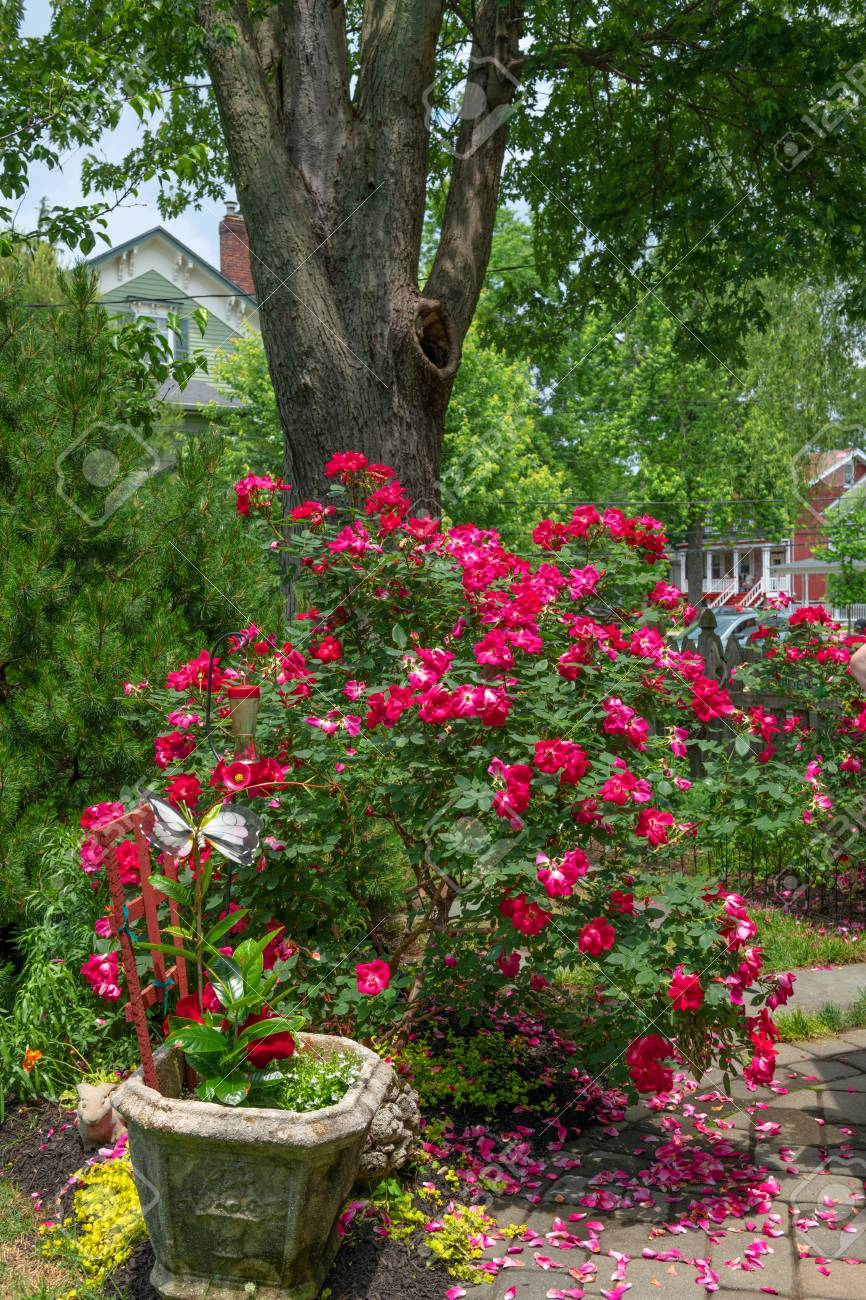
502 739
807 737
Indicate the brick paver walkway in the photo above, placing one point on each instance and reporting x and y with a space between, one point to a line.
758 1194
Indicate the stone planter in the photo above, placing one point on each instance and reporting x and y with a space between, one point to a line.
233 1196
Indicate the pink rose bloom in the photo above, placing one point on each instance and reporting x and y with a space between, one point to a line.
596 937
373 977
685 990
653 825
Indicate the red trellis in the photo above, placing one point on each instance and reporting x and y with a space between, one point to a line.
124 914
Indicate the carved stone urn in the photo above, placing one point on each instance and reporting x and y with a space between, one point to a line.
234 1196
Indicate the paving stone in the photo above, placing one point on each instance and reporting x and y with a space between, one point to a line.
650 1280
741 1092
857 1059
835 1067
837 1094
567 1191
812 1187
808 1158
529 1285
834 1244
725 1294
791 1053
856 1083
820 1048
779 1267
841 986
593 1161
857 1036
637 1114
798 1127
808 1100
846 1281
844 1107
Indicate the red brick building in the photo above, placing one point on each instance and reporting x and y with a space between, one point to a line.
743 573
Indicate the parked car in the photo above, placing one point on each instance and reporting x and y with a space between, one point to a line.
741 626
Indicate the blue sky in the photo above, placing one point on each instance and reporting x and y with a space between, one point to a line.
63 187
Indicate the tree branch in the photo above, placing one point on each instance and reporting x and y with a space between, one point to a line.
461 260
246 103
284 213
398 49
315 90
387 161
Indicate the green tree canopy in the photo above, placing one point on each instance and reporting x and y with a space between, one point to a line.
679 155
114 556
708 449
845 525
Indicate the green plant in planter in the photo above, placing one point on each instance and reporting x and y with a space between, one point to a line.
230 1034
228 1029
307 1082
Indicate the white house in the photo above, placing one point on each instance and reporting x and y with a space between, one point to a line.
155 274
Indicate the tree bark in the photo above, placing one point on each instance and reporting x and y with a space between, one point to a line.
332 185
695 563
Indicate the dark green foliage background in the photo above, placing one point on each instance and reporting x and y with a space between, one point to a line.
86 606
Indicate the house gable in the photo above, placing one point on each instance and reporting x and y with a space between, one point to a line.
154 274
187 280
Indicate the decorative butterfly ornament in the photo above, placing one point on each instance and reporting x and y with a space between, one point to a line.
235 833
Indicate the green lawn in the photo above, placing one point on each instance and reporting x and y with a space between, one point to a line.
788 942
24 1272
826 1023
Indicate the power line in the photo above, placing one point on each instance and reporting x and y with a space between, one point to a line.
187 297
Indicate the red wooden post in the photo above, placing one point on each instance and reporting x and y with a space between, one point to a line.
124 913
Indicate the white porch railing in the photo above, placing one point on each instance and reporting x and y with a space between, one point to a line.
848 611
719 585
754 594
724 590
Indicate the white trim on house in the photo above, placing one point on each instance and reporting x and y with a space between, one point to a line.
854 453
198 284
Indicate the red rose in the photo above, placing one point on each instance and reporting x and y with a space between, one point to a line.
596 937
685 990
276 1047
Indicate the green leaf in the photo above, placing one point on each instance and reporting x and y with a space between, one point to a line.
231 1092
173 889
398 636
265 1028
269 1075
222 927
169 949
201 1039
227 976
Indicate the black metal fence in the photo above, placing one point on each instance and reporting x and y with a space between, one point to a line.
762 871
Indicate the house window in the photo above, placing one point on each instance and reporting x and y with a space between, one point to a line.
716 563
849 472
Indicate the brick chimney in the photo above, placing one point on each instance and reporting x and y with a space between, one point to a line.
235 250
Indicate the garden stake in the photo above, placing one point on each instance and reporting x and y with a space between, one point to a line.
124 934
124 913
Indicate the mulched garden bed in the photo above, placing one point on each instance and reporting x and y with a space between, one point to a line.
39 1148
367 1268
38 1154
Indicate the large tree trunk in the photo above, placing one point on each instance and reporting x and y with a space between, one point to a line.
333 188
